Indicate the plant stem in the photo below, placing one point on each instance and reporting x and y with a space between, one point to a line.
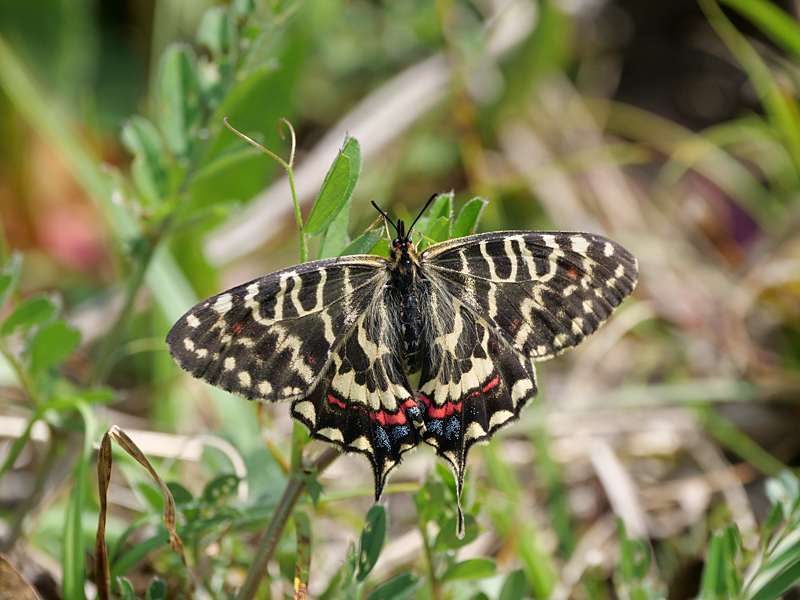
436 592
292 493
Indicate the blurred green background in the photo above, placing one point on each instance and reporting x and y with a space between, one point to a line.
655 455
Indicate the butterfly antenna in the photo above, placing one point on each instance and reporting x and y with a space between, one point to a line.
427 204
386 221
384 215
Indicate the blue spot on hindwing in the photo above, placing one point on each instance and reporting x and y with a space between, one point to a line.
435 425
399 431
381 438
453 428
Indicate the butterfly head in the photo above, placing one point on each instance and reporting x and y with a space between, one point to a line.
402 249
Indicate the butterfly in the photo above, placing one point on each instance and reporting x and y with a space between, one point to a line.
339 337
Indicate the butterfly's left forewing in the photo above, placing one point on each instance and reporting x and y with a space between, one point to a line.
273 338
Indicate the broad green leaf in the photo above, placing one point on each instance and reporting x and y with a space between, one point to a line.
515 587
338 187
474 568
330 195
468 218
216 31
32 311
9 276
221 486
429 500
401 587
442 207
243 8
157 590
141 138
126 591
373 537
447 538
152 495
334 238
53 342
180 111
440 230
363 244
179 493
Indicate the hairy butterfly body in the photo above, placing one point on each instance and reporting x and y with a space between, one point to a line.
339 337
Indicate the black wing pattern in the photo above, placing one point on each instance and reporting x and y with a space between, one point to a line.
330 337
320 335
500 301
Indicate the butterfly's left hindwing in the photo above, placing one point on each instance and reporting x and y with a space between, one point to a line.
364 402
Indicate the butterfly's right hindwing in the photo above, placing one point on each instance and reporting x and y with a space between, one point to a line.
273 338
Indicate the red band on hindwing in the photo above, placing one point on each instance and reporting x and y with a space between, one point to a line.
383 417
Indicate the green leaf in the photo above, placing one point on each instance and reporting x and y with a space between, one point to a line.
363 244
429 500
179 493
334 238
72 545
216 31
140 137
720 577
242 8
33 311
440 230
8 279
474 568
515 587
338 187
401 587
634 558
314 488
221 486
157 590
373 538
53 342
468 218
447 538
180 111
771 20
784 490
778 585
126 591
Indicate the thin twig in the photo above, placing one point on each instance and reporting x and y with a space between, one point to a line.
292 493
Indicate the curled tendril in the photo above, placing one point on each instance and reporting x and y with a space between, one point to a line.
294 138
282 162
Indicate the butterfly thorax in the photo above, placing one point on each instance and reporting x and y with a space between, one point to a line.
408 286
